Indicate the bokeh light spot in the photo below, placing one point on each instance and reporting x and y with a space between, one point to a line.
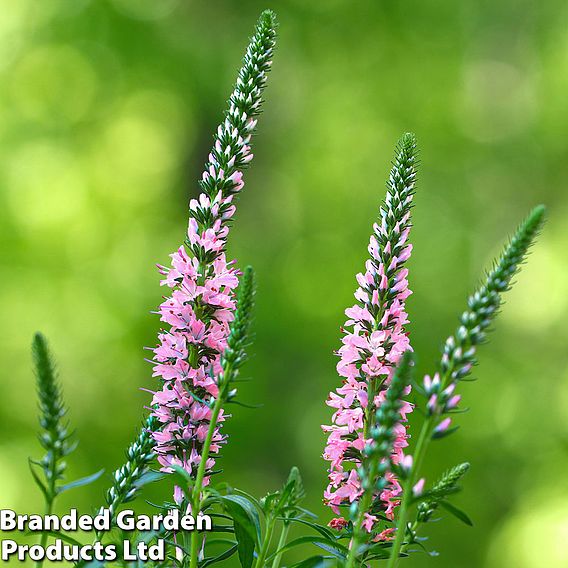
45 184
533 538
139 152
54 84
498 101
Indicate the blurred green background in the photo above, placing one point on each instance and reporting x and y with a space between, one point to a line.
107 109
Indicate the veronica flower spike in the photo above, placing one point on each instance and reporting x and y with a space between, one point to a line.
373 344
459 356
201 306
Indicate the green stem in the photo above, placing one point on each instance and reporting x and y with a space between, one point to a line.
364 505
48 511
420 452
281 543
198 487
266 542
366 499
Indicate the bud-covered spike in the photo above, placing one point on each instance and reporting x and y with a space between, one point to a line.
445 486
55 438
239 336
127 477
483 305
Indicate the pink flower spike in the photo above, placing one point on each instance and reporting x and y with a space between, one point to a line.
202 303
374 341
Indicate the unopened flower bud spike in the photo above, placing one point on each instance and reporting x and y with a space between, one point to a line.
458 355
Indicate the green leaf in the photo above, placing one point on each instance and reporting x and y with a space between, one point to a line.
215 541
222 528
243 512
323 530
148 477
38 481
458 513
306 512
313 562
245 545
183 476
330 545
377 550
331 549
80 482
444 433
247 525
250 497
223 556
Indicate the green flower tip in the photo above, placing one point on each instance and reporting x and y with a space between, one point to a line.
407 140
247 289
45 367
39 341
537 215
268 19
403 372
249 273
528 230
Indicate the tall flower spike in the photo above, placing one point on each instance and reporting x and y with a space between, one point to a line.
459 356
202 303
373 345
459 353
55 437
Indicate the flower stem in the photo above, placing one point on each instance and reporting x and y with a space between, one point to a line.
260 561
198 487
364 505
281 543
44 535
420 452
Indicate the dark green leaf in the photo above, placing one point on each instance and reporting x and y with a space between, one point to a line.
313 562
444 433
458 513
185 480
245 545
243 512
326 532
331 545
148 477
38 481
223 556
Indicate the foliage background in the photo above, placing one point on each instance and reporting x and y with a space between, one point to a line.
106 115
